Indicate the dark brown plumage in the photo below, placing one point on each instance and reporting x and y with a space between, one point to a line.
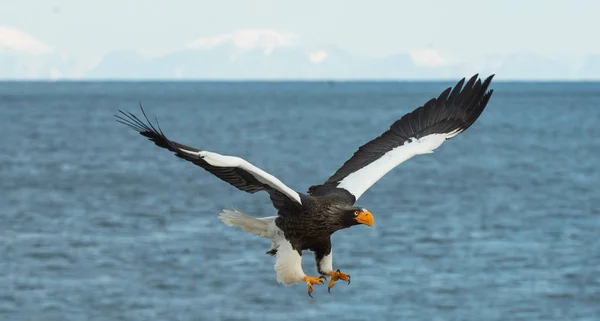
312 226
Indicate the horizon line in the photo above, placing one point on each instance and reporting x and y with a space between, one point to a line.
292 80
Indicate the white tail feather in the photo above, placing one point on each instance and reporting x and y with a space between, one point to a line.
288 265
256 226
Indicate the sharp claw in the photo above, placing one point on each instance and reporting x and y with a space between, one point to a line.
329 290
338 270
348 279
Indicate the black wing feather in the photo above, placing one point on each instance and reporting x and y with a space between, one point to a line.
235 176
454 109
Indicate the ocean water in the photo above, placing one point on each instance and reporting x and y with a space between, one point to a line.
96 223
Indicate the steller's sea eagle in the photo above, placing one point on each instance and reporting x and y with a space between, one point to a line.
307 221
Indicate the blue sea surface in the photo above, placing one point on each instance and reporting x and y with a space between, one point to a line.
97 223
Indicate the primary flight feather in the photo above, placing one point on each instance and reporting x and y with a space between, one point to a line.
306 221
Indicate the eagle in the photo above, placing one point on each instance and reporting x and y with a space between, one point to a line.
306 221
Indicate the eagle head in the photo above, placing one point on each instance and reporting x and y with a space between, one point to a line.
358 215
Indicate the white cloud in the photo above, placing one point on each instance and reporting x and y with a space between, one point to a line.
178 73
247 39
428 58
55 74
317 57
13 39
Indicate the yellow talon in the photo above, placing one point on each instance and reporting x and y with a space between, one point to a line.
310 281
335 276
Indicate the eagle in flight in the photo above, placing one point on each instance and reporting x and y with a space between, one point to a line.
306 221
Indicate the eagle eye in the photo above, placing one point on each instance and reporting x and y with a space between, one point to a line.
355 213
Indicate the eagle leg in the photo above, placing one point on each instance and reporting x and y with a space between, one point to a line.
310 281
335 276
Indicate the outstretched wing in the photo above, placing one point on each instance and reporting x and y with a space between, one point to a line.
416 133
233 170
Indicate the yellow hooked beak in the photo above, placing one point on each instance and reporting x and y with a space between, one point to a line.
365 218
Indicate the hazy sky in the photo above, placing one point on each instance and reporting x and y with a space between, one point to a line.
454 28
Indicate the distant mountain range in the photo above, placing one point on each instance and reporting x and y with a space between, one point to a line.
228 62
269 56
